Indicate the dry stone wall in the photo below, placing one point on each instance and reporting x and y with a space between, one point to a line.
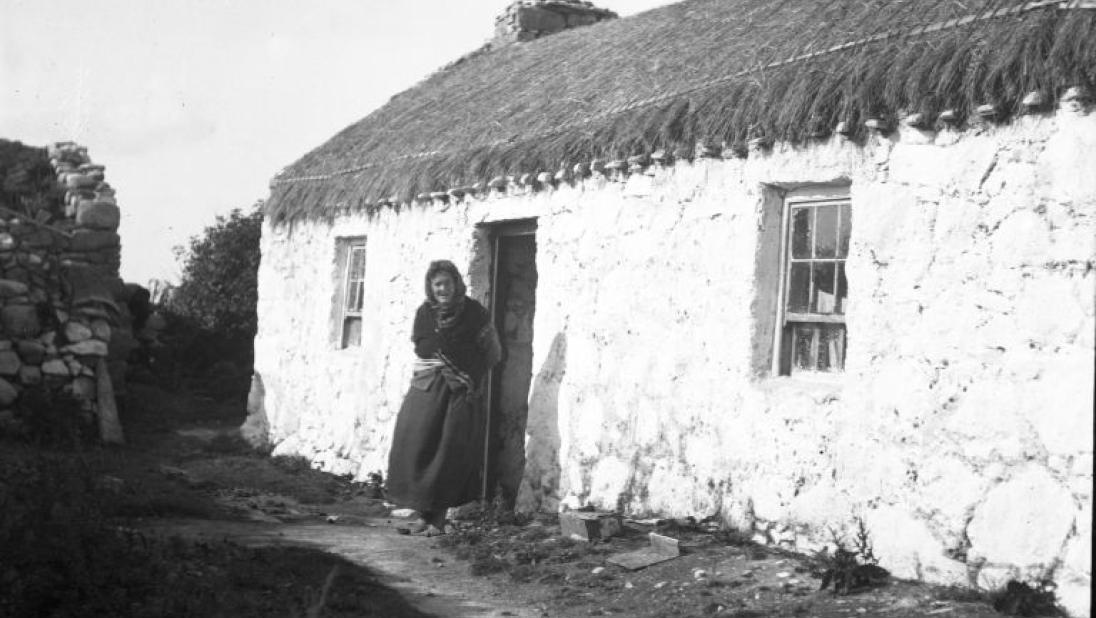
60 315
959 434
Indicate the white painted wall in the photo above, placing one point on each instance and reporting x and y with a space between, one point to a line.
960 432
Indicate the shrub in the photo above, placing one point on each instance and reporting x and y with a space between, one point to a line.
211 320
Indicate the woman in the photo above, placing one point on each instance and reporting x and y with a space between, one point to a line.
437 447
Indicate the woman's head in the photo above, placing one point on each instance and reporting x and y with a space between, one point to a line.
443 282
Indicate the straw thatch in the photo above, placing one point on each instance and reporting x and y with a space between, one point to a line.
718 71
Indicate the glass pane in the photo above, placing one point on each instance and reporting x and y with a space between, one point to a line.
354 296
357 263
818 347
845 231
825 231
824 298
801 232
799 287
805 346
831 349
842 288
352 332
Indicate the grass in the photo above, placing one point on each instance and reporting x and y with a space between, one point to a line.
69 539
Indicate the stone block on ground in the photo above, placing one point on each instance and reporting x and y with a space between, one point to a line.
589 525
660 549
256 428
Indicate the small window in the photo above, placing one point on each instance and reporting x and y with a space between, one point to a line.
353 293
815 290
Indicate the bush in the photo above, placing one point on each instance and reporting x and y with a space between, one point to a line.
211 320
218 289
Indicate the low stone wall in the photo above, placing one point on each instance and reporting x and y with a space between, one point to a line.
959 435
61 314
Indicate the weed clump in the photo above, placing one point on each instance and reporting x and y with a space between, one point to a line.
1020 599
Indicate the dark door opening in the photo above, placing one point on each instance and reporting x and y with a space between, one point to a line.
513 303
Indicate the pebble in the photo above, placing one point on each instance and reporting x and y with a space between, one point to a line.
660 585
629 585
783 574
699 574
597 570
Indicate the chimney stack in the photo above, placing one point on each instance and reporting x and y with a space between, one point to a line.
526 20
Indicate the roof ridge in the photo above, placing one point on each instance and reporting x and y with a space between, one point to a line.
1017 9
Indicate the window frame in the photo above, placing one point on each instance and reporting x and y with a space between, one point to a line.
784 334
348 247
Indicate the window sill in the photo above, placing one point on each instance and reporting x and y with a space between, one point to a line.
815 382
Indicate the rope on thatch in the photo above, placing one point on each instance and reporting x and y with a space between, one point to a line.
644 84
919 31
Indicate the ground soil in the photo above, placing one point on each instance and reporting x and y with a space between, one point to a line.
273 534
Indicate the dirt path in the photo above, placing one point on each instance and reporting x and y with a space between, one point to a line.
427 577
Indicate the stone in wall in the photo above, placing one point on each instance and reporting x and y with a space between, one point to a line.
1024 521
76 332
9 363
20 320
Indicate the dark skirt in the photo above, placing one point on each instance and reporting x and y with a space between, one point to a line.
437 447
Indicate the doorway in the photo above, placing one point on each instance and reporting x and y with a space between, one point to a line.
513 305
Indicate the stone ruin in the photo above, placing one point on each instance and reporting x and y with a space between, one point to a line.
64 323
527 20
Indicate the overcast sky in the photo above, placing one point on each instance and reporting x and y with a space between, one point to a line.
194 105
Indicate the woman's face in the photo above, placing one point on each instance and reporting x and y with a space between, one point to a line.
443 287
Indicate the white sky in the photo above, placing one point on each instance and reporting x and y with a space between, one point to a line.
194 105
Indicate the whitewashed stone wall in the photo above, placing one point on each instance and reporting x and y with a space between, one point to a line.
960 433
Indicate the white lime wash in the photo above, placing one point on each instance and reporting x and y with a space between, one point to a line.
960 431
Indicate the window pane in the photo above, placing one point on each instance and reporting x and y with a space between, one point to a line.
806 346
831 348
845 231
357 263
825 231
818 347
354 296
801 232
799 287
842 288
824 299
352 332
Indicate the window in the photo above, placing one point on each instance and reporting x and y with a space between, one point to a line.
814 291
352 257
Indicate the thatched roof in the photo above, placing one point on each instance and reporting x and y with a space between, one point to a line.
719 71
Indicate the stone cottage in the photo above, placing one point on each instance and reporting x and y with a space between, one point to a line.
64 327
806 266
